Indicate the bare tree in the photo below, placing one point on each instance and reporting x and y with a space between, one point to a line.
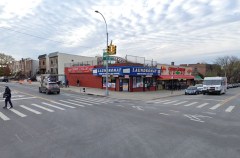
229 65
5 59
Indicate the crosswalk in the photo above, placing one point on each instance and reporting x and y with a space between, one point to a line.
198 105
51 106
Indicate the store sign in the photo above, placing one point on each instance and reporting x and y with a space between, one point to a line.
145 71
130 71
80 69
111 71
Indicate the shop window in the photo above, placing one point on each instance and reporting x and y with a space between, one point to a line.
137 82
111 82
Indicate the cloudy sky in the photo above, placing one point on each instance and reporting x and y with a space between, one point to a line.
183 31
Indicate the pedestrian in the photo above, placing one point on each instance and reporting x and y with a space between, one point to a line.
7 95
67 83
78 82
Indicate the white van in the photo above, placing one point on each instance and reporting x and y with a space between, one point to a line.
217 85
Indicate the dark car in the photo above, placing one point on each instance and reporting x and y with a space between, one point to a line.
192 90
49 87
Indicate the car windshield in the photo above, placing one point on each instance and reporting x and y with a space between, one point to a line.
198 85
212 82
192 88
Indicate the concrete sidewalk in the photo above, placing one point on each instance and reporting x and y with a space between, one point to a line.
148 95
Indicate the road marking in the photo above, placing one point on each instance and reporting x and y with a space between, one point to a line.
157 101
96 100
53 106
161 101
4 117
41 107
171 102
29 109
229 99
191 104
88 101
211 113
79 101
21 98
33 96
180 103
193 118
230 108
20 140
202 105
164 114
138 108
18 113
63 104
215 106
71 103
174 111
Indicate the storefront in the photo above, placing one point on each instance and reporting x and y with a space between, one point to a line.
174 77
84 75
129 78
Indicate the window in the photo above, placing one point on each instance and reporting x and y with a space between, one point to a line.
137 82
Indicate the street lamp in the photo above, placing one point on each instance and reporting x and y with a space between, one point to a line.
107 93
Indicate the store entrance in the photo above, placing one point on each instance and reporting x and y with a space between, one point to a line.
125 85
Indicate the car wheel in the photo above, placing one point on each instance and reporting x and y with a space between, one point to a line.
58 92
40 91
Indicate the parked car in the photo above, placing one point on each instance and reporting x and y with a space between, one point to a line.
199 87
229 85
192 90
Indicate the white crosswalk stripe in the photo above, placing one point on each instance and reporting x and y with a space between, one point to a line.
171 102
79 102
53 106
202 105
95 101
160 101
41 107
31 110
215 106
68 106
191 104
180 103
88 101
71 103
230 108
18 113
4 117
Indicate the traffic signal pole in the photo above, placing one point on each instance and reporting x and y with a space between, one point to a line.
106 93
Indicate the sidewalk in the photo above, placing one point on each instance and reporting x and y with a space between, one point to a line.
148 95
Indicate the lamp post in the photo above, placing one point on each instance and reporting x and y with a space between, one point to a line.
107 93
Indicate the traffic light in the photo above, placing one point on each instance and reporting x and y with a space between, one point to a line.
108 49
112 50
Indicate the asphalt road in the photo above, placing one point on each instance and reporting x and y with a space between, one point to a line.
72 125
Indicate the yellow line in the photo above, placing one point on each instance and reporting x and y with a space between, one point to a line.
35 96
229 99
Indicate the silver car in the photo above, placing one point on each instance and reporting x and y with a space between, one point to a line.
191 90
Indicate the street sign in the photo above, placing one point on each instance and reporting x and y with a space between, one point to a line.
109 58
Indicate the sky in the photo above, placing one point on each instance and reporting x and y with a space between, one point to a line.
165 31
